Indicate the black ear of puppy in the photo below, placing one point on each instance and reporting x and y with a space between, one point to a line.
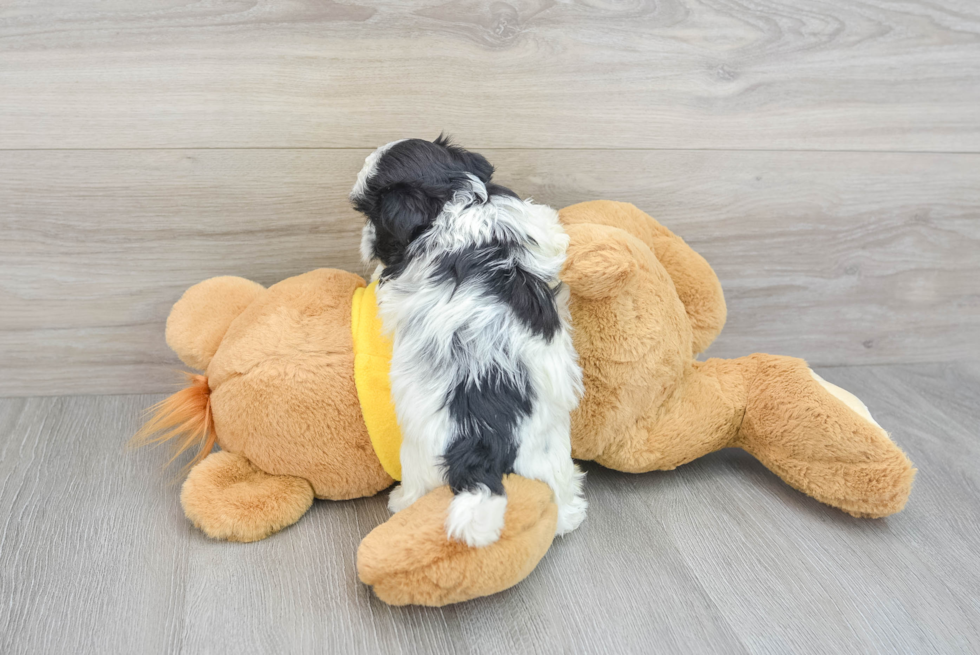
477 164
406 211
472 162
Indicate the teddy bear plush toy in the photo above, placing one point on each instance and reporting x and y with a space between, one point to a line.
295 393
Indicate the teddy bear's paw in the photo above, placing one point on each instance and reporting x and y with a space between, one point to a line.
875 488
410 560
853 403
227 497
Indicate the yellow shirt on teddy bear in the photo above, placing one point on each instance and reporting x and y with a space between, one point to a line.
372 361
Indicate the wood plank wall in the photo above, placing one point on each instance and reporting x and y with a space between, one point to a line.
824 156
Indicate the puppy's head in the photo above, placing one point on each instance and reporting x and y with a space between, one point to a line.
403 188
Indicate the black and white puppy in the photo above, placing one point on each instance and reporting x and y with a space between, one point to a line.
484 375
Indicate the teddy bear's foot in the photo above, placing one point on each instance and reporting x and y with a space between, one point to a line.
409 560
227 497
849 399
822 440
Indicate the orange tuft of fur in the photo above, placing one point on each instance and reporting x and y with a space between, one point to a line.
186 415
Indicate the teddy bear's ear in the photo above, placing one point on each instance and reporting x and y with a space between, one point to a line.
601 260
199 320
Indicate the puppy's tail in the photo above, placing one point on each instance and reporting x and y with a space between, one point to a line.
187 415
476 517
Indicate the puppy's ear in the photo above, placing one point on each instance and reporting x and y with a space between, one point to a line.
406 211
477 164
472 162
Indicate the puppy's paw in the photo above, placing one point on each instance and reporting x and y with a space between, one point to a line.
571 515
400 498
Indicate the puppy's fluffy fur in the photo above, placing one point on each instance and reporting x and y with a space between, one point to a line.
483 374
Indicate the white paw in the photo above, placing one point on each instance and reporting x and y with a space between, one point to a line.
571 515
476 517
400 498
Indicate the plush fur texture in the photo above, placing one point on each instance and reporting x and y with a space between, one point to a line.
270 398
649 405
694 282
201 317
408 559
484 376
227 497
282 394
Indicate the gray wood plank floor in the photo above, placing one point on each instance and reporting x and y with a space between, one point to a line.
717 556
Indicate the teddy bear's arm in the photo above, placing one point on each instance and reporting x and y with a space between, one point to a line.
696 283
698 288
601 260
199 320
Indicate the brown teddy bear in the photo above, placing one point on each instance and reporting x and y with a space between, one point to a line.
296 396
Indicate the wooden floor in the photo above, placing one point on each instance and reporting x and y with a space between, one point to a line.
718 556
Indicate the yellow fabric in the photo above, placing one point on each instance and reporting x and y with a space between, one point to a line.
372 361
